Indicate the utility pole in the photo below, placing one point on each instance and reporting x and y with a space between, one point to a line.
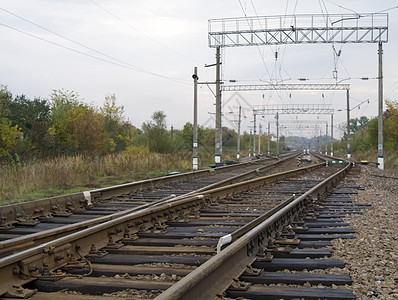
254 133
326 140
218 133
239 120
259 139
195 119
320 141
331 136
380 158
348 126
250 143
268 137
277 134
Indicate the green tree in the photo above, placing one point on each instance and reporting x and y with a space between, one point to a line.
229 137
121 132
187 135
9 136
391 123
5 99
372 132
363 122
33 119
155 132
84 131
76 127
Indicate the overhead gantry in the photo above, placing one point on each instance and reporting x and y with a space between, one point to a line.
297 29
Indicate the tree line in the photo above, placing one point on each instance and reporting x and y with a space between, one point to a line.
364 131
65 125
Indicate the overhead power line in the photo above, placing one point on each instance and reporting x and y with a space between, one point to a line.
140 31
118 62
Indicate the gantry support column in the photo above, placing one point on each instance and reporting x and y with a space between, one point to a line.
239 121
277 134
268 138
254 134
380 159
195 120
348 126
218 134
331 135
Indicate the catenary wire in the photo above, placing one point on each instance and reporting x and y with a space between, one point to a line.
137 69
140 31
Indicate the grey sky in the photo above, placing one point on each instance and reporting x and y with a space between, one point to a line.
165 41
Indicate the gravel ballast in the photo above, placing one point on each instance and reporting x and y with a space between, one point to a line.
372 258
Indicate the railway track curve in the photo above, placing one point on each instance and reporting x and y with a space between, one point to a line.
171 238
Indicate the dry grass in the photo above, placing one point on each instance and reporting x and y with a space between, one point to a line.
33 180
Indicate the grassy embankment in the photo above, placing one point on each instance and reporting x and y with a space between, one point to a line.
24 181
390 158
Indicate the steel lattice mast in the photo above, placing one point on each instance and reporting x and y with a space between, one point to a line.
301 29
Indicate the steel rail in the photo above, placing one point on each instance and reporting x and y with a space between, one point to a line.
27 265
8 247
29 212
229 238
327 157
213 277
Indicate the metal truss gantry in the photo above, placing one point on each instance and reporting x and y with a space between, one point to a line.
283 87
300 127
292 109
316 122
298 29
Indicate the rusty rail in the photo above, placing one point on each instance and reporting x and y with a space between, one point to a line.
36 262
213 277
17 244
29 213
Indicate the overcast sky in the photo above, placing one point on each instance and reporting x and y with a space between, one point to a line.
145 51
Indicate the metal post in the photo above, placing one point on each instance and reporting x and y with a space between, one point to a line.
268 137
380 158
218 133
259 139
348 126
239 120
254 134
195 119
250 143
331 137
277 134
320 141
326 139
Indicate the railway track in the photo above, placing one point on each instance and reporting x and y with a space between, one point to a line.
148 250
96 206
